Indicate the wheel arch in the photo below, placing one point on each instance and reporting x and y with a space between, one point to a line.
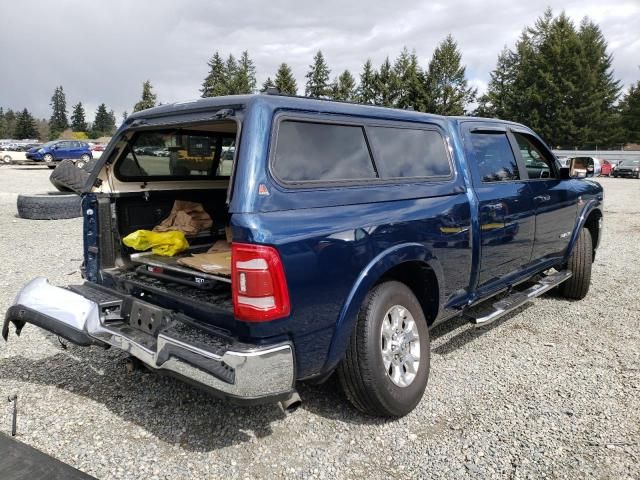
412 264
592 223
590 218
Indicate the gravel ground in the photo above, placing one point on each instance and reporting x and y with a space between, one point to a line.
550 391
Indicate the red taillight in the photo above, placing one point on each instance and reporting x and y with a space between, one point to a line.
259 286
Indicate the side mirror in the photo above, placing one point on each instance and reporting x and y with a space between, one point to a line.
575 169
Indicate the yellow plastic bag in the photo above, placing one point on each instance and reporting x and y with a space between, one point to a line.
166 244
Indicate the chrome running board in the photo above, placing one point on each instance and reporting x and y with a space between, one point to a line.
517 299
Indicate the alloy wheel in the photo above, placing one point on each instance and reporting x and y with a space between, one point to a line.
400 346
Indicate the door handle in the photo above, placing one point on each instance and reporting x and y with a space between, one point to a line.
494 206
542 198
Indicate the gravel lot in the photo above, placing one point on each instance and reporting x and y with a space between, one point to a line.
550 391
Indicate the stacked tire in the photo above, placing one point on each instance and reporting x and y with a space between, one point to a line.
49 206
68 177
70 180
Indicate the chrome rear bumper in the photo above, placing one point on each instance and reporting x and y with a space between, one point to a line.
231 369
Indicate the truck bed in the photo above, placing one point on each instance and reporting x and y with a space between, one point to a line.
170 265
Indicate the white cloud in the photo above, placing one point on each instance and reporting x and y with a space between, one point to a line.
102 51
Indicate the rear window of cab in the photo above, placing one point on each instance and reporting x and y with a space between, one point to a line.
323 152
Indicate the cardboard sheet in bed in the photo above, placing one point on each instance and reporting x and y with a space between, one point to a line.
216 261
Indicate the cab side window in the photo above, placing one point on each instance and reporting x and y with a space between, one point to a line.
494 158
538 164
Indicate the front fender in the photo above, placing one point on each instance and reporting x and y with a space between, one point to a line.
382 263
588 208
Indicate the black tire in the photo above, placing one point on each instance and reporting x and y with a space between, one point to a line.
90 165
362 372
69 178
48 160
49 206
580 262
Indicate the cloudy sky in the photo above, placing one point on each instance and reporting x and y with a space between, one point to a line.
102 51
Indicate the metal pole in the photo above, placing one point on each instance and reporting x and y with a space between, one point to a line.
14 421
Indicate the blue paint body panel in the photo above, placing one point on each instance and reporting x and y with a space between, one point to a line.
337 240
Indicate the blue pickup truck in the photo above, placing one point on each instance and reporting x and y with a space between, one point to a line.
352 231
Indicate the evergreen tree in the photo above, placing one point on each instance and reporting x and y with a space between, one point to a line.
550 58
596 90
241 76
344 87
104 123
408 81
499 99
4 133
246 78
10 121
367 88
385 85
268 83
230 72
318 78
78 122
25 126
558 80
215 83
284 81
43 128
125 115
58 121
148 99
630 114
446 89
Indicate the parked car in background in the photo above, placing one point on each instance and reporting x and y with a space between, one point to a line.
606 167
628 168
57 150
11 156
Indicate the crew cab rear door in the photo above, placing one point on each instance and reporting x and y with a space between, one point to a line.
505 207
556 203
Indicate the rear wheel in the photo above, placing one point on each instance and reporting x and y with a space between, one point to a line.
580 262
386 366
84 159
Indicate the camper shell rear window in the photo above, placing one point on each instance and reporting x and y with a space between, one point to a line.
177 154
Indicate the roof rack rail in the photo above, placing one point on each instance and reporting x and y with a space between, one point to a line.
275 91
